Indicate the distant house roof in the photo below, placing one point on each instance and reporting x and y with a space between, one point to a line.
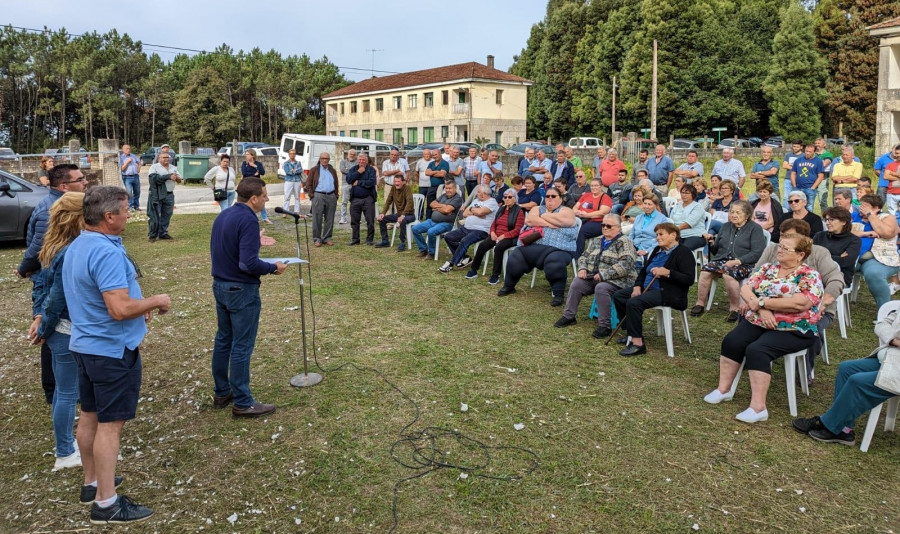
464 71
885 27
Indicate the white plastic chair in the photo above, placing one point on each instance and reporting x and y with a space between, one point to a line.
842 303
890 418
664 327
437 240
490 254
418 212
670 203
792 363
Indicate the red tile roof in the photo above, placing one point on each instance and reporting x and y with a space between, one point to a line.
462 71
886 24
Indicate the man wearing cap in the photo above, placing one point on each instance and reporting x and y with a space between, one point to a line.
165 148
161 200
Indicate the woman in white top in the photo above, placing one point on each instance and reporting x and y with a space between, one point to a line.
222 177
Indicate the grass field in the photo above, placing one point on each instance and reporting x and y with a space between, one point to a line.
608 443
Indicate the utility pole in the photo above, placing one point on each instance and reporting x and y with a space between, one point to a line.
613 108
373 50
653 97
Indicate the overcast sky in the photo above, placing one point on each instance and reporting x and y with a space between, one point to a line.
410 35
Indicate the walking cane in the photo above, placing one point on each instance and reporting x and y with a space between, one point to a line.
622 320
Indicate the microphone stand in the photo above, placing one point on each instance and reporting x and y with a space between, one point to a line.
305 379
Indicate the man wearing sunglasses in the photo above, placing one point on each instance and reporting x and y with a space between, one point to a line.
63 178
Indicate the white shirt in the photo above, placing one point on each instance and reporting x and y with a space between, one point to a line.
401 165
421 167
482 223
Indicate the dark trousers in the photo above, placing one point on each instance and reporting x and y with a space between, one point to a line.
553 261
758 347
48 379
459 241
470 185
588 230
693 242
358 208
392 218
159 213
500 247
632 308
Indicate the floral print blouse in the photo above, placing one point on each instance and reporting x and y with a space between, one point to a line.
805 280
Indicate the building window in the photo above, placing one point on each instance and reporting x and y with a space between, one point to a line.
353 107
497 137
342 133
342 108
365 134
365 106
428 134
445 98
379 104
445 132
353 133
462 97
499 96
429 100
398 136
413 101
379 135
398 102
412 136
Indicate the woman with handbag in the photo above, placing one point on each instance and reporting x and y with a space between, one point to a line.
860 386
221 179
878 256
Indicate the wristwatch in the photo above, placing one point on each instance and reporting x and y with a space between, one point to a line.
761 302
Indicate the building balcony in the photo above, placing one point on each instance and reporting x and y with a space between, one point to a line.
460 109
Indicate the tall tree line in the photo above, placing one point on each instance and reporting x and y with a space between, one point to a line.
751 66
55 86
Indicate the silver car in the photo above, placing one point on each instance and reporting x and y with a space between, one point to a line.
18 197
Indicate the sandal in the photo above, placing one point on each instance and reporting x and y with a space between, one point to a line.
697 311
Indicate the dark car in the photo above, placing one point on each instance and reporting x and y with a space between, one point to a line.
463 149
151 153
495 146
519 150
18 198
683 145
774 142
755 141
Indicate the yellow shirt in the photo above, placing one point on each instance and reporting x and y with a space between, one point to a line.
840 169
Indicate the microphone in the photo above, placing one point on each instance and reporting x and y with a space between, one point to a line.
283 211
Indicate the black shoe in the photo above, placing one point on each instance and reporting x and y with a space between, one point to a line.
557 300
621 340
602 332
89 493
167 236
422 254
464 262
805 425
826 436
733 316
494 280
506 291
633 350
257 410
222 402
382 244
697 311
370 243
123 511
352 243
472 274
153 240
564 322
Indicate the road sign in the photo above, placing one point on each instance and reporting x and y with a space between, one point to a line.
720 129
645 131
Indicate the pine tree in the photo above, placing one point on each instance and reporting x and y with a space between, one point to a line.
795 84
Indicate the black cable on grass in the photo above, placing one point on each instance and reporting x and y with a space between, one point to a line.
423 453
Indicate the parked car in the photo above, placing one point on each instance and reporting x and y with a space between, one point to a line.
205 151
83 160
266 151
735 144
774 142
18 197
835 141
519 150
8 154
150 155
242 146
310 146
755 141
494 146
683 145
585 142
710 142
463 149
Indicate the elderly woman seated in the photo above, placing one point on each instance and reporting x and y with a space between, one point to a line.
690 219
733 253
643 231
783 301
664 280
606 266
553 252
855 392
878 260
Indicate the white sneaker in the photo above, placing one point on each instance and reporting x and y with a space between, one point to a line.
752 416
72 460
715 396
893 287
342 221
446 267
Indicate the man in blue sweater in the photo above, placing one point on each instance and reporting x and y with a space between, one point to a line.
236 268
63 179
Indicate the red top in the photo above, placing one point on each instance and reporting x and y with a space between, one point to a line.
609 171
893 167
500 226
588 202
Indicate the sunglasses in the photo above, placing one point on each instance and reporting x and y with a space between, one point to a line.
552 196
508 197
608 226
795 201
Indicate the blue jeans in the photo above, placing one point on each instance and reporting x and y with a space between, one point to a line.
855 393
787 191
229 200
459 241
237 310
133 186
65 397
876 275
433 229
810 197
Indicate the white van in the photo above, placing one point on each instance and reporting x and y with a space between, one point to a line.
584 142
309 147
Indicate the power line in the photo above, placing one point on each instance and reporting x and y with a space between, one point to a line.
173 49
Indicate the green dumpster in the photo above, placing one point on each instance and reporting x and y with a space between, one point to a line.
193 167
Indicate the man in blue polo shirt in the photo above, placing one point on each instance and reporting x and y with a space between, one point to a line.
806 174
109 320
236 268
660 167
886 159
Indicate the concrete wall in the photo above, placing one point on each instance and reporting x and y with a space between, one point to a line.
887 116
